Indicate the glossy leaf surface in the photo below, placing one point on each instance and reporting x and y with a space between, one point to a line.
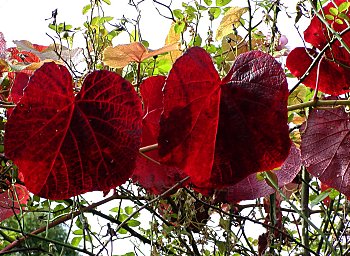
66 145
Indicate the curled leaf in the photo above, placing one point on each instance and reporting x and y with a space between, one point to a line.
121 55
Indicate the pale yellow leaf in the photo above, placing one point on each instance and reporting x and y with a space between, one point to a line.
35 65
172 38
121 55
231 18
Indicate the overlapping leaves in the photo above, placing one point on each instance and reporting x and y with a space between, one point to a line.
217 132
213 130
331 70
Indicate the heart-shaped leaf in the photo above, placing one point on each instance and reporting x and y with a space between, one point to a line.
189 121
66 145
253 134
325 147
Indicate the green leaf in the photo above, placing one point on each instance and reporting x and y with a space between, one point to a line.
116 209
329 17
215 12
133 223
343 16
333 193
319 198
208 2
222 2
197 41
122 231
86 8
78 232
333 11
179 27
178 14
76 241
343 7
129 210
107 2
339 21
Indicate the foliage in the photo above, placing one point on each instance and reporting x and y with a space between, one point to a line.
183 135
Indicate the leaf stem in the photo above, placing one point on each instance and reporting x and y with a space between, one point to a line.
305 209
318 103
275 186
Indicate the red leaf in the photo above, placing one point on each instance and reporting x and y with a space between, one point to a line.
251 188
21 80
189 121
334 66
153 177
10 201
253 134
23 56
325 147
66 145
330 73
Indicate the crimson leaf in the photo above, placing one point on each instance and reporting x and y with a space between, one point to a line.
11 200
325 147
253 134
156 178
332 78
189 121
66 145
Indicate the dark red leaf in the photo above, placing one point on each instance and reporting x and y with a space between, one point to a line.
11 200
252 188
253 134
153 177
21 80
188 124
334 65
325 147
66 145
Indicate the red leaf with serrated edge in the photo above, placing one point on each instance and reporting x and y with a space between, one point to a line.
189 121
153 177
325 147
253 134
11 200
66 145
251 188
334 66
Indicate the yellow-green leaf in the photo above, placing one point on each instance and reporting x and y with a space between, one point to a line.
231 18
